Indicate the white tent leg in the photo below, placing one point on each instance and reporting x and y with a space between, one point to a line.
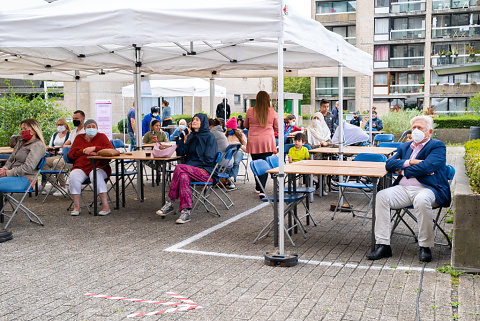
370 134
340 111
77 78
138 111
123 118
212 97
193 102
281 147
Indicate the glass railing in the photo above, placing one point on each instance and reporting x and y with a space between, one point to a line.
455 60
407 34
351 40
453 4
406 89
456 31
333 91
399 62
407 6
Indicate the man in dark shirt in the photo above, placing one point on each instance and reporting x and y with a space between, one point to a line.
377 124
131 126
335 114
220 113
355 120
324 106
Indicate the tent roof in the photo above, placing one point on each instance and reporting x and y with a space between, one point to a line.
183 37
177 88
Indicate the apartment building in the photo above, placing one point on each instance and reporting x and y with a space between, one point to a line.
425 52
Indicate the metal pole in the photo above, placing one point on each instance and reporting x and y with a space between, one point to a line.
281 147
77 78
212 97
370 134
45 89
340 111
193 102
123 117
138 108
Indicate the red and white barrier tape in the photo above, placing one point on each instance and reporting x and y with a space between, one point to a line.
185 305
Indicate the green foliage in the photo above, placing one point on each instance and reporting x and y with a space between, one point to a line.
299 85
472 163
236 115
15 107
398 122
463 121
121 125
306 116
176 118
475 103
450 270
455 304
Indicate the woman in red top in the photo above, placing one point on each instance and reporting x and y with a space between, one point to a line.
83 146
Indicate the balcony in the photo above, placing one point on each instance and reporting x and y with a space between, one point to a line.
455 89
455 60
404 62
456 31
406 89
348 18
453 4
407 6
407 34
333 91
351 40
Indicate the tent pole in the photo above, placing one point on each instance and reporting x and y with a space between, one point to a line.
193 103
138 109
281 147
212 97
340 111
45 90
370 134
123 118
77 78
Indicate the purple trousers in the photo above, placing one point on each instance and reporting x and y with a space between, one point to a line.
180 188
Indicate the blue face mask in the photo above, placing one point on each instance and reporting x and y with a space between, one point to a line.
182 127
231 132
91 132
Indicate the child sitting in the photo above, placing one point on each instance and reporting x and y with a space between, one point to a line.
298 152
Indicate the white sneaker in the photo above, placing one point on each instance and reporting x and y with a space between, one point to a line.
61 191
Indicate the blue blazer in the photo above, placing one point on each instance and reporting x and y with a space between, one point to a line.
434 156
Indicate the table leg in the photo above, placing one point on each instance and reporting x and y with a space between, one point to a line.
275 212
154 170
117 186
164 180
1 208
309 182
123 182
374 201
295 229
141 183
95 196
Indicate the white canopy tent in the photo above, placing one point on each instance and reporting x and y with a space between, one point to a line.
183 37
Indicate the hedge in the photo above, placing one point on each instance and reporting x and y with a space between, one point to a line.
457 121
472 163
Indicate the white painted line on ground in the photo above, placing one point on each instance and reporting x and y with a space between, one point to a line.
178 249
214 228
312 262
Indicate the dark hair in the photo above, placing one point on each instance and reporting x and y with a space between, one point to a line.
300 136
153 123
323 102
214 122
290 117
154 109
408 132
79 112
166 103
374 112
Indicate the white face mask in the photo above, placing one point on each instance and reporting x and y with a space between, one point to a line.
316 122
293 123
61 129
418 135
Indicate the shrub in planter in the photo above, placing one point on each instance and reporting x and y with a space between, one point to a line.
464 121
398 122
472 163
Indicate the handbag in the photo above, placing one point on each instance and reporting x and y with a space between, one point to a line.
163 153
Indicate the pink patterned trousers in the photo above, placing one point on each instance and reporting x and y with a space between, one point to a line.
180 188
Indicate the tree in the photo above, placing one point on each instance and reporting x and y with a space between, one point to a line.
16 107
475 103
298 85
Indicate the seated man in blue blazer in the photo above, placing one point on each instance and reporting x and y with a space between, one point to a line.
422 182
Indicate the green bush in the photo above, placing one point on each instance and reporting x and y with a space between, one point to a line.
474 103
464 121
122 124
472 163
236 115
176 118
398 122
15 107
306 116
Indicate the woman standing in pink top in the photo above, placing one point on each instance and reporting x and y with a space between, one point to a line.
262 123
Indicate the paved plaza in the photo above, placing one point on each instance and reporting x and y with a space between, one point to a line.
133 253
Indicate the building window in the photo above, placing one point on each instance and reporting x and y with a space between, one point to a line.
328 86
381 79
408 28
347 32
456 25
382 3
237 99
455 105
381 53
381 26
336 7
407 55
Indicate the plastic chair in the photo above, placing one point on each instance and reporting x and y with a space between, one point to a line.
56 171
260 167
390 144
399 215
383 138
364 188
245 131
24 189
222 171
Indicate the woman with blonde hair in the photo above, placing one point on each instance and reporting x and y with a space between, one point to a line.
262 124
20 169
56 162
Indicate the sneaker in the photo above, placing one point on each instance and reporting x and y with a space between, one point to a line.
184 216
230 184
104 213
166 209
75 213
261 195
61 191
257 191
